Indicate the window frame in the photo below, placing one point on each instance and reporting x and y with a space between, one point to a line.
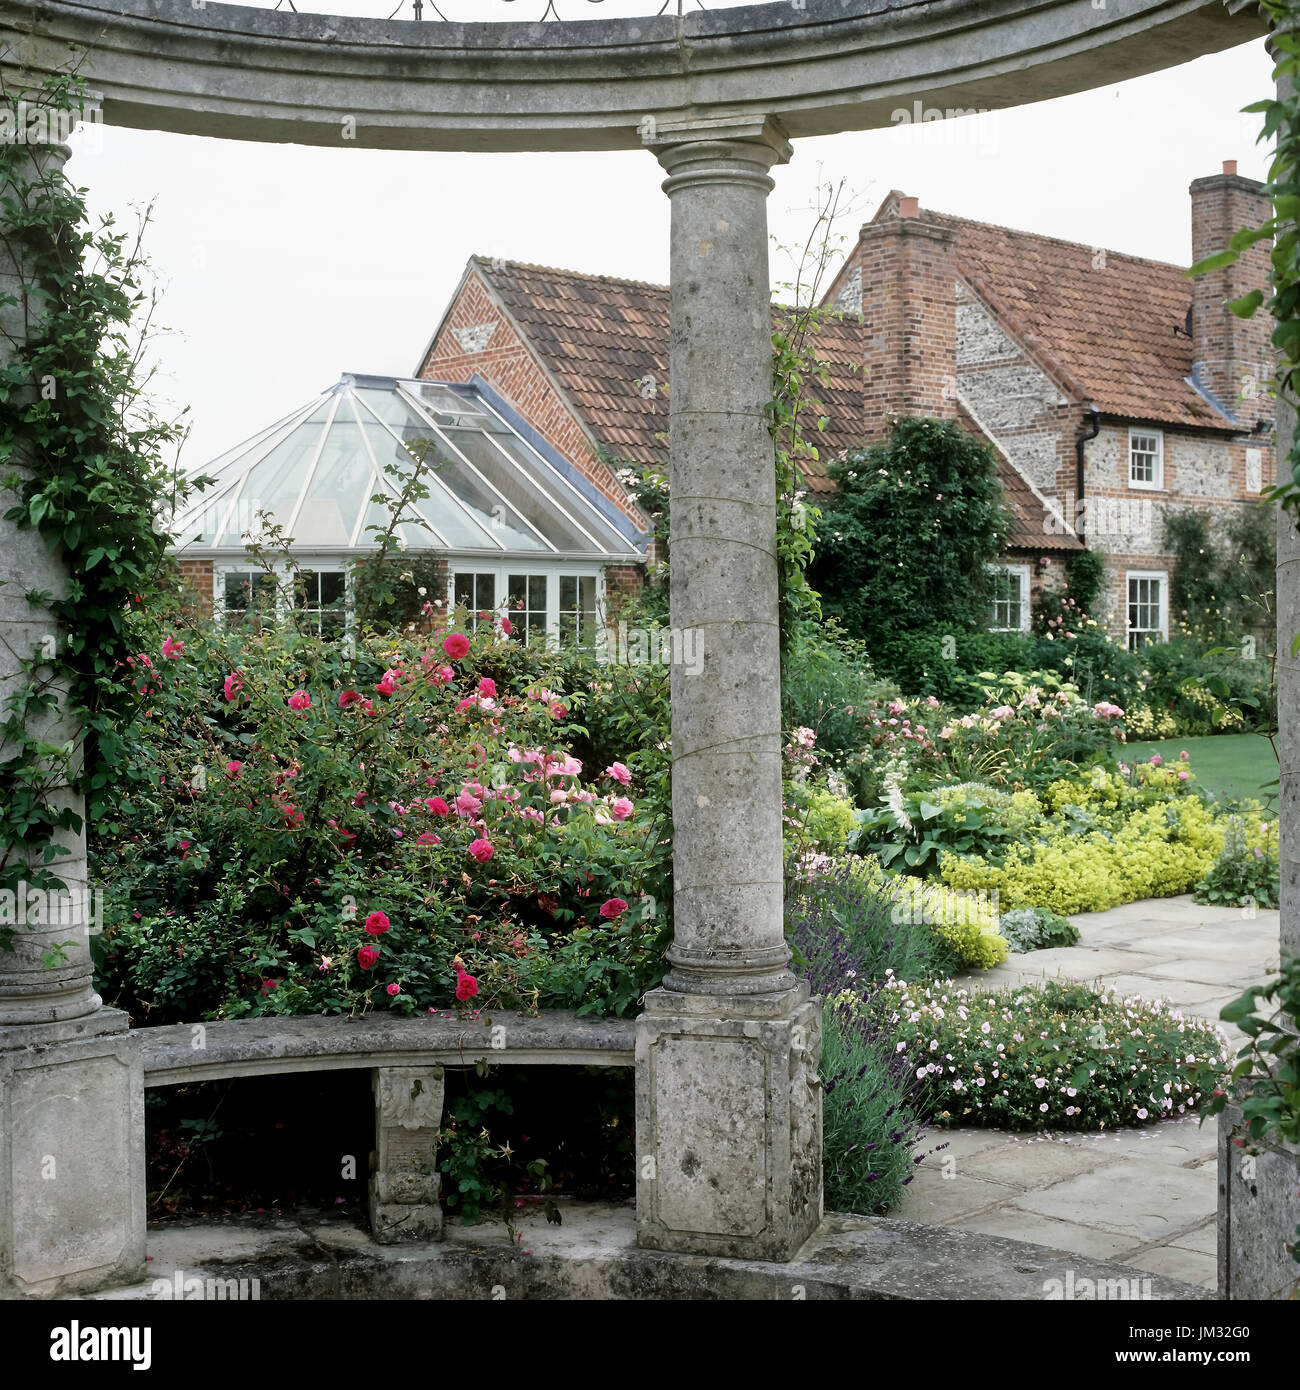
553 570
1129 630
1021 571
1157 484
284 612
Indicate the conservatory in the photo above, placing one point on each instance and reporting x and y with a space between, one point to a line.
511 523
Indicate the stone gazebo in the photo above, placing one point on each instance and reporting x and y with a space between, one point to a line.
727 1051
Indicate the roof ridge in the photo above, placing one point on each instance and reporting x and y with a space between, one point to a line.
1056 240
572 274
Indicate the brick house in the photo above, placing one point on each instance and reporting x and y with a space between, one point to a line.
1120 390
1112 389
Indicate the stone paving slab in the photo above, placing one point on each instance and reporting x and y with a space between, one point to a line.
1175 1262
1047 1230
1146 1197
1139 1198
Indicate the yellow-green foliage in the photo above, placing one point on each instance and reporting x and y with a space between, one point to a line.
1016 812
1143 722
1261 826
1098 790
828 820
1169 779
964 920
1159 851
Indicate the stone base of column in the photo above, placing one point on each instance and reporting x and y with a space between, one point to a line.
72 1167
404 1183
1259 1210
729 1123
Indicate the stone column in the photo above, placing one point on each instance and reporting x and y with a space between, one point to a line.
728 1097
1259 1194
72 1204
404 1181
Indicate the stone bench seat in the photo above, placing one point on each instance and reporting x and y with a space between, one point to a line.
183 1053
406 1058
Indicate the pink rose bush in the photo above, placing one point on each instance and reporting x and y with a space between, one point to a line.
351 846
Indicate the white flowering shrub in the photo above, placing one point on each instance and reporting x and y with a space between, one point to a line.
1054 1056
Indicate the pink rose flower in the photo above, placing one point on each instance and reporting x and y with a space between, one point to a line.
456 646
619 772
172 648
612 908
1182 757
428 838
233 767
1156 760
487 688
350 697
394 989
388 684
481 850
299 700
232 687
621 808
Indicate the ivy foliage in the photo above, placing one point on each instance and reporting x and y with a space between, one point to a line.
1281 122
1221 588
907 538
82 463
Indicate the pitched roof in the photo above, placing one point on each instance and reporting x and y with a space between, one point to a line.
605 341
1112 330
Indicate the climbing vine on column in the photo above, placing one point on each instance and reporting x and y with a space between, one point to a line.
82 463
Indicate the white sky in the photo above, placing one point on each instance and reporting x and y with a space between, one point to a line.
284 266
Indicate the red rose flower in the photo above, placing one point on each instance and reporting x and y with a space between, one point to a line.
438 806
612 908
456 646
366 957
377 923
349 697
466 986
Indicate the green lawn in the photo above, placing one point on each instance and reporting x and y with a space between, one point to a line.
1228 764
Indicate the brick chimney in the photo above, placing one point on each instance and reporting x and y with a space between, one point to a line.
909 316
1234 358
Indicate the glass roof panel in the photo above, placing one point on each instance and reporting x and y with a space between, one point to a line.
499 524
337 489
519 491
461 528
314 472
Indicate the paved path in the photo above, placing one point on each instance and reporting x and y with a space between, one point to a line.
1145 1197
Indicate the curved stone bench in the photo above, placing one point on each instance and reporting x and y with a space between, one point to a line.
187 1052
406 1058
